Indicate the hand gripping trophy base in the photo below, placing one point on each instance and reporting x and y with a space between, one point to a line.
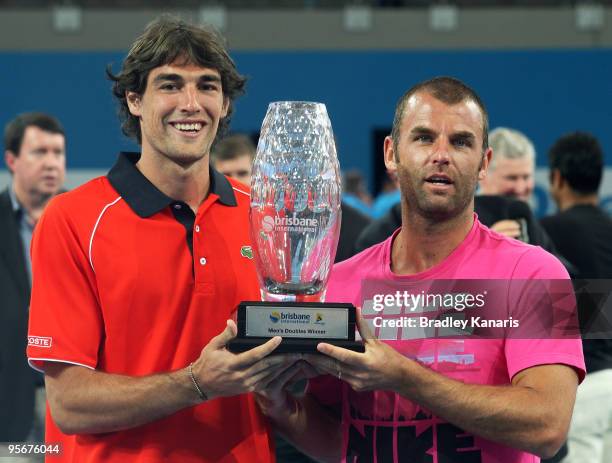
302 326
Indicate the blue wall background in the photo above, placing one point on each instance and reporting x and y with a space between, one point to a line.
543 93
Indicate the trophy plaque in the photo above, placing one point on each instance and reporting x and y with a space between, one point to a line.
295 223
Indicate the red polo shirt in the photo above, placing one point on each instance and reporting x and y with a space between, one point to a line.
129 281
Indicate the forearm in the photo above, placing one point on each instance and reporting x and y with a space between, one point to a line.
310 427
84 401
514 415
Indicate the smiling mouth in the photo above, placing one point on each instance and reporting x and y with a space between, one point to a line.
191 127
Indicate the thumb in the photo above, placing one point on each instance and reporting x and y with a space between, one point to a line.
229 333
362 326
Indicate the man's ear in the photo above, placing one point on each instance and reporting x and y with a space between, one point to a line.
9 159
134 103
484 164
390 155
556 180
225 108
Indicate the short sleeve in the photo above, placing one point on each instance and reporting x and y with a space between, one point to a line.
541 274
65 318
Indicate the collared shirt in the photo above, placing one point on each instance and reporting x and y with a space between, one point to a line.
26 228
146 200
134 283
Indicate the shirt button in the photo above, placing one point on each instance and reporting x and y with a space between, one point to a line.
197 229
202 260
177 206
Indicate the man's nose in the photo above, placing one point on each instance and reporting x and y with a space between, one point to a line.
53 160
441 151
189 101
525 186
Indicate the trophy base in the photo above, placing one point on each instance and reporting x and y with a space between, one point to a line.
302 325
292 346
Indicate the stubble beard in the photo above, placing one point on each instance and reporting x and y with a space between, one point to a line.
181 153
425 205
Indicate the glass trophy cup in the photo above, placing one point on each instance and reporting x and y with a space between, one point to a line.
295 223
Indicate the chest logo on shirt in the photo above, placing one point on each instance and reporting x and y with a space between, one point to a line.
246 251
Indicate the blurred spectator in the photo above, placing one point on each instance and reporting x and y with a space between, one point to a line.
388 196
355 192
233 156
512 165
356 214
582 233
353 223
34 146
511 174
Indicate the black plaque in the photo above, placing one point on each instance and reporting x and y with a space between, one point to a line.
302 325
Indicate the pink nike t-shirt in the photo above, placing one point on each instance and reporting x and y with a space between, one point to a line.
381 426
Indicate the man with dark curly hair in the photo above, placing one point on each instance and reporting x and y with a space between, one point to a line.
137 275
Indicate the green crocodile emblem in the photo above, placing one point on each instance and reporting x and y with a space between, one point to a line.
246 251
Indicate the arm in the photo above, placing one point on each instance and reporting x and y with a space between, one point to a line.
309 426
84 401
532 413
88 401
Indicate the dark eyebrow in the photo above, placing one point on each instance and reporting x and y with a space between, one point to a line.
209 78
420 130
169 76
178 78
465 135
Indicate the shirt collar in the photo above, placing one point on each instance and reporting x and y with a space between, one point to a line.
17 207
144 198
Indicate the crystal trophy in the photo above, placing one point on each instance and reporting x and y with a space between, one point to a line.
295 223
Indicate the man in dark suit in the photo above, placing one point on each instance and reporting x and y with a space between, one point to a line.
34 146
